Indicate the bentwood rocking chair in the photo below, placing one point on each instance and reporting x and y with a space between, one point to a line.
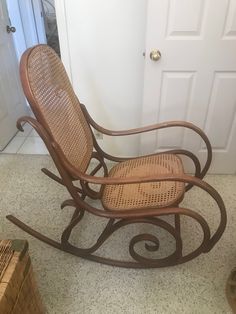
135 190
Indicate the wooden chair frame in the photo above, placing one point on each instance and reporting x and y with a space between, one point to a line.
117 219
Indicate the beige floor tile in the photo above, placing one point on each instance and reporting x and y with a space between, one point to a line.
27 129
33 133
33 145
14 145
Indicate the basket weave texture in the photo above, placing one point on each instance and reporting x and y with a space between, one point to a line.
59 107
145 195
18 290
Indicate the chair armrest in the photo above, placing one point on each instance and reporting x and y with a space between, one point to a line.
117 133
158 126
144 129
142 179
35 124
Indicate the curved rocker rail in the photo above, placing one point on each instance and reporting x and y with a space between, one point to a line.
152 242
119 219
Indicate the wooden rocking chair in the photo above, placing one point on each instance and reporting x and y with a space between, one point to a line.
136 190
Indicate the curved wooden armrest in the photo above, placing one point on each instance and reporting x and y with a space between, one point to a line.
153 127
50 144
144 129
142 179
35 124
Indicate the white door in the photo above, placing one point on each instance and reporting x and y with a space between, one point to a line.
195 78
12 101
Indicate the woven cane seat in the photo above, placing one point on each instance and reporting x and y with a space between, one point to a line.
144 195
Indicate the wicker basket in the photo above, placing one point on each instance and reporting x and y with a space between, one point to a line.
18 291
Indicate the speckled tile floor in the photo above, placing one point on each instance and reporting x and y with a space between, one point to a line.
72 285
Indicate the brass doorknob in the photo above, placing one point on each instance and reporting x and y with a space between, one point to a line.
155 55
10 29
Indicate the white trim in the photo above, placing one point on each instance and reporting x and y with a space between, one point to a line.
63 35
39 21
18 36
28 22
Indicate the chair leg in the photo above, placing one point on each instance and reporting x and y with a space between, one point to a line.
179 246
76 218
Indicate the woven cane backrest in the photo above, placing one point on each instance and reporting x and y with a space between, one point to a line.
56 106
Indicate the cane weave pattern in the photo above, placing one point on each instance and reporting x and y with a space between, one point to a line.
59 106
6 253
144 195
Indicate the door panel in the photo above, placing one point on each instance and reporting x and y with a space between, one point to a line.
176 91
221 105
195 78
12 104
181 25
230 21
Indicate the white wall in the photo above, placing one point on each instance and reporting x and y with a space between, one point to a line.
106 40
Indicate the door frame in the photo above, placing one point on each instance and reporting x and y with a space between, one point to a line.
63 35
26 17
39 21
16 21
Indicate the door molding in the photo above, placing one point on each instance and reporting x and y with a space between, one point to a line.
39 21
16 21
63 35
